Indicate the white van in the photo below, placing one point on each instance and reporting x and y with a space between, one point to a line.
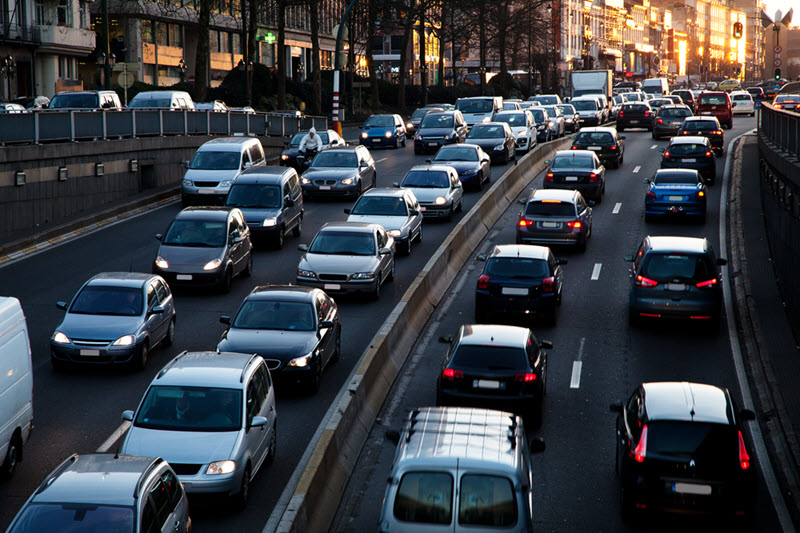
477 109
16 385
162 100
656 86
210 174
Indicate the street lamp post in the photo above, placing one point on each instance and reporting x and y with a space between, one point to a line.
246 67
182 68
9 69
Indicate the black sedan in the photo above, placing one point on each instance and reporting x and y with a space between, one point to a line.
439 129
470 161
496 139
692 152
503 367
577 169
635 115
605 142
572 120
289 155
295 329
669 119
707 127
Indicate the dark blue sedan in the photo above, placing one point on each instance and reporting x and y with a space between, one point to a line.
470 161
676 192
521 281
383 130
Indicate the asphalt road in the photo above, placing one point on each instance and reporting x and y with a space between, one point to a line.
576 489
79 411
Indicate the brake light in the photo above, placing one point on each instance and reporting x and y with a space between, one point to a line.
647 113
709 283
575 224
642 281
621 114
449 373
483 282
651 195
744 457
574 147
700 194
549 177
659 121
593 177
548 284
524 222
717 132
666 154
708 153
641 448
614 147
526 378
777 106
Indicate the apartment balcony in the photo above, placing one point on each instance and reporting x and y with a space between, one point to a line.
66 40
11 34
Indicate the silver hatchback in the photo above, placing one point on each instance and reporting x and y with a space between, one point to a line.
553 217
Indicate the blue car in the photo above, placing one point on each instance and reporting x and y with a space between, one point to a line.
520 281
676 192
383 130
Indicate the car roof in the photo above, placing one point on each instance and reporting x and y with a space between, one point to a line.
95 479
493 335
601 129
264 174
509 112
386 191
159 94
342 149
432 167
234 143
572 153
528 251
563 195
684 401
696 245
204 213
689 139
121 279
355 227
698 118
293 293
205 369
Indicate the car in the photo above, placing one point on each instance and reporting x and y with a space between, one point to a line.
212 416
692 152
680 448
291 156
412 124
348 257
716 104
116 318
496 366
11 108
509 105
557 117
470 161
729 85
477 109
16 386
633 96
704 126
205 246
396 210
588 109
744 103
605 142
521 281
687 96
215 166
675 278
674 98
85 100
437 188
271 201
296 330
174 100
675 192
439 129
546 99
344 171
32 102
572 120
756 92
790 102
522 126
635 115
616 105
107 492
669 119
555 217
496 139
217 106
656 103
544 132
383 130
580 170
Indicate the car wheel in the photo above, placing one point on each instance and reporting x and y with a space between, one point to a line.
390 277
621 158
226 281
314 382
240 498
419 234
396 143
404 142
140 362
376 292
298 229
449 215
338 352
620 128
248 271
13 456
272 447
279 238
479 186
407 248
460 206
169 338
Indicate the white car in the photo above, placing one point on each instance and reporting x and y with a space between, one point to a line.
744 103
523 126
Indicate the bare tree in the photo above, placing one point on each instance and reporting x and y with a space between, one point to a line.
315 65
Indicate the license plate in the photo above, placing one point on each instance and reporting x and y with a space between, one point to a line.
675 198
376 140
515 291
206 191
551 224
571 178
706 113
595 148
486 384
690 160
184 277
324 187
691 488
676 286
634 121
90 353
422 209
433 144
332 287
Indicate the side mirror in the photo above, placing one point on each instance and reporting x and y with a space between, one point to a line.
395 184
302 247
257 422
536 445
393 435
159 236
561 261
722 262
733 105
225 320
546 161
591 203
747 414
326 324
615 407
662 150
547 345
384 251
481 257
247 164
622 137
413 212
457 185
62 305
646 181
186 164
446 340
286 142
428 161
157 310
127 415
523 201
346 210
629 258
288 202
364 164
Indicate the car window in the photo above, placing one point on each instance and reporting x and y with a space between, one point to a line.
162 291
550 208
233 229
173 486
425 497
570 161
265 378
683 178
682 149
152 297
208 160
699 125
99 300
667 267
485 500
294 183
480 357
382 238
261 385
254 399
160 498
487 132
435 120
149 520
287 190
426 178
712 99
343 243
253 195
713 444
456 153
634 414
517 267
595 137
379 121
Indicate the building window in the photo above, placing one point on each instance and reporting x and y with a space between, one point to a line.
175 35
162 38
64 13
147 31
39 13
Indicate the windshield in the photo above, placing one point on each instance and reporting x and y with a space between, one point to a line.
595 137
486 132
379 121
566 109
434 120
456 153
551 110
517 267
75 518
676 178
149 102
419 113
176 408
677 268
489 357
549 100
550 208
538 115
570 162
687 149
585 105
343 243
713 445
434 179
742 97
380 205
672 112
61 101
474 106
206 160
712 99
515 119
263 314
335 159
254 195
699 125
98 300
298 138
197 233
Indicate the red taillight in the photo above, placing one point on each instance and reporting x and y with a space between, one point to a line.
621 114
659 121
651 195
549 177
642 281
548 284
641 448
449 373
666 154
614 147
483 282
708 153
744 457
647 113
709 283
593 177
525 378
574 147
524 222
574 224
777 106
717 132
685 133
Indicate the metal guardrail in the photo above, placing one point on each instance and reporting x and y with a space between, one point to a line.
42 126
780 127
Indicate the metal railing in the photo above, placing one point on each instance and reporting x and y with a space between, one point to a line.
781 128
105 124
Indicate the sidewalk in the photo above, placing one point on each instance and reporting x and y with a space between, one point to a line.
768 345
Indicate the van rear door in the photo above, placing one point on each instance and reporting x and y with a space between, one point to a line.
488 501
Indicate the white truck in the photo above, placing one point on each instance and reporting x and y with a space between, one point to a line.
592 82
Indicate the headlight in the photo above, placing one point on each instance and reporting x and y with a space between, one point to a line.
550 122
125 340
306 274
221 467
162 263
417 137
269 222
500 147
187 183
363 275
409 125
225 183
60 338
364 135
440 200
388 134
447 137
305 181
347 181
301 362
213 264
395 232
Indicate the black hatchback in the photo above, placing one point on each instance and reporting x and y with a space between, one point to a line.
708 127
605 142
691 152
635 115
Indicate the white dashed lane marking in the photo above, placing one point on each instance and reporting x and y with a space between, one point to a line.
114 437
381 159
596 271
637 169
575 381
654 147
617 207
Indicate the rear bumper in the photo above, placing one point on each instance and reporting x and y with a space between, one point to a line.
588 190
674 209
515 305
683 309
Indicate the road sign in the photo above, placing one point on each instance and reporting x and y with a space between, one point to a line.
125 80
778 49
777 62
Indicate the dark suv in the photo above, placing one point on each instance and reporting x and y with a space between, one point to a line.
635 115
605 142
438 129
687 96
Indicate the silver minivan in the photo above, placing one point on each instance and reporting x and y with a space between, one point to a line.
216 164
460 470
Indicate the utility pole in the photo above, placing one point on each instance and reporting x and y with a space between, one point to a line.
337 67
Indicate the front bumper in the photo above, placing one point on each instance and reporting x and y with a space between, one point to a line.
340 287
430 145
188 278
379 141
93 355
202 483
329 188
436 211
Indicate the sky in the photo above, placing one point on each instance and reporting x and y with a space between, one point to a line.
784 6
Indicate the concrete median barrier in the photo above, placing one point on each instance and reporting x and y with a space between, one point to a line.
319 491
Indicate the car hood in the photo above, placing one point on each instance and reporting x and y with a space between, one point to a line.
462 167
486 143
291 152
330 173
588 112
210 175
428 195
98 327
338 264
388 222
188 255
434 132
258 214
283 345
377 131
173 446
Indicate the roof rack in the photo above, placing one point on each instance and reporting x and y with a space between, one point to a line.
244 370
57 472
157 461
511 433
169 365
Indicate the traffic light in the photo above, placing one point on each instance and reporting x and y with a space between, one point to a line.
738 70
738 28
778 73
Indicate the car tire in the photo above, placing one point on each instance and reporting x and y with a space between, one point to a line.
621 158
279 238
407 248
298 228
272 447
248 270
479 186
419 234
633 318
338 352
396 144
226 282
404 142
376 292
313 384
241 497
390 277
13 456
449 215
620 128
460 206
140 362
169 338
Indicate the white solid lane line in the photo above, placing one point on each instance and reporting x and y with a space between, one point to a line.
637 169
654 147
114 437
617 207
575 381
596 271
